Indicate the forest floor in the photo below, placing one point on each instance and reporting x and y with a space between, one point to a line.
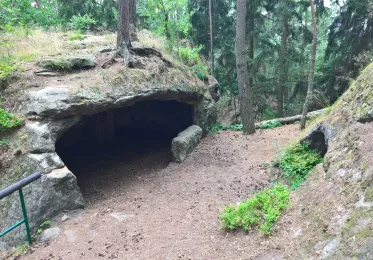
149 208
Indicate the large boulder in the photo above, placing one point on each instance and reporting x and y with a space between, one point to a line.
185 143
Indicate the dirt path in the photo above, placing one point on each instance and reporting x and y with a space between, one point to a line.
160 211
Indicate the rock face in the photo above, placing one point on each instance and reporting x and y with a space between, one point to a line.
334 205
63 103
185 143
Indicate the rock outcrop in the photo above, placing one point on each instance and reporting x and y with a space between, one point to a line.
53 107
333 208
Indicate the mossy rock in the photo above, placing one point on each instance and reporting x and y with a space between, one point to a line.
68 64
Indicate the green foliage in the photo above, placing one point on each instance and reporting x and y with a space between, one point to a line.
76 36
270 125
9 120
269 114
83 23
214 129
170 18
5 69
262 210
40 229
190 56
297 163
20 250
3 143
22 13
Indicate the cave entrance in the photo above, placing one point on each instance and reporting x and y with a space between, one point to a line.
108 149
319 139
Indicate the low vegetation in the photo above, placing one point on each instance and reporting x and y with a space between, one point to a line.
270 125
297 163
9 120
262 210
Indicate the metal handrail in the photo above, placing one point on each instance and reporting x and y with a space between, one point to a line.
10 190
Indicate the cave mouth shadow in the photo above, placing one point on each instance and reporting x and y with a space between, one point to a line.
318 142
107 150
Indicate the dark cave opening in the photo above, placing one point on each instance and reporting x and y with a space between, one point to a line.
106 149
318 142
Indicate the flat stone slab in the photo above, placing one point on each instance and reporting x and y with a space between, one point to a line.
185 143
121 216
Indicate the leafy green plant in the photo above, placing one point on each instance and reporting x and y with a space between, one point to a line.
83 23
3 143
297 163
9 120
262 210
76 36
41 228
270 125
5 70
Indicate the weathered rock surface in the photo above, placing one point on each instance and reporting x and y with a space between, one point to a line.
49 234
185 142
68 64
56 105
334 206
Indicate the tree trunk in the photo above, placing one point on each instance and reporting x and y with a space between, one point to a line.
312 67
282 69
37 2
251 44
247 114
211 41
132 11
123 39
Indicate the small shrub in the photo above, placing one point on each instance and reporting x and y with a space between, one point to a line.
270 125
5 70
190 57
83 23
9 120
297 163
42 227
76 36
262 210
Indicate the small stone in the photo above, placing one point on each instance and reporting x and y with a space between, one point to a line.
65 218
330 248
49 234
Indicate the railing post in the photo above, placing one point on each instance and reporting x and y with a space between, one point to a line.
24 212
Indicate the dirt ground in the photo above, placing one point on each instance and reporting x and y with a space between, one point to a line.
152 209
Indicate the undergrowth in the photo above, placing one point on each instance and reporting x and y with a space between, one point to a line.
9 120
297 162
262 210
270 125
214 129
